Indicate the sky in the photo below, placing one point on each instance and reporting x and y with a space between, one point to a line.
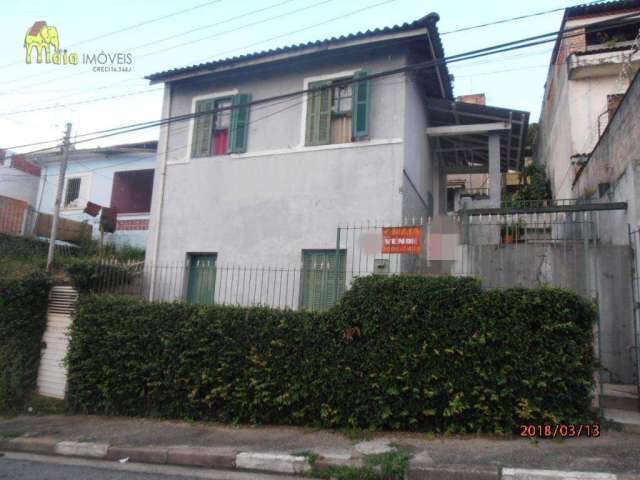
194 31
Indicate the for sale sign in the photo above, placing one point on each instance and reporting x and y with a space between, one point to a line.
402 240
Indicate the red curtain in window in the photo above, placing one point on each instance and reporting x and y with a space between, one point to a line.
220 138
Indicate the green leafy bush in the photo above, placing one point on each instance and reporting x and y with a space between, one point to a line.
401 352
93 274
23 318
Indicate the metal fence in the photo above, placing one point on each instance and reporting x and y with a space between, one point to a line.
504 250
634 242
315 283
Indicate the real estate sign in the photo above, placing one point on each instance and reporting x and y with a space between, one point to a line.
402 240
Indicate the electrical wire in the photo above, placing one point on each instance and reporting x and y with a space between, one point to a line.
508 46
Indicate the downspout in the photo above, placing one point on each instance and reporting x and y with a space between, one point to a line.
161 185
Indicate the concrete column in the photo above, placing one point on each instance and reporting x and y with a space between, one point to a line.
495 177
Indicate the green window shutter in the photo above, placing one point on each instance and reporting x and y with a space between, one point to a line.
313 281
202 279
319 115
319 286
239 123
361 102
336 277
202 129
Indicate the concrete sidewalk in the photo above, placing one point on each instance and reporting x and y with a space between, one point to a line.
287 449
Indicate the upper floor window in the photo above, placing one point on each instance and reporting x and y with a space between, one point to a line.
224 130
338 111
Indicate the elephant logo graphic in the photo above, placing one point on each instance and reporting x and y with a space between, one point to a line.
42 38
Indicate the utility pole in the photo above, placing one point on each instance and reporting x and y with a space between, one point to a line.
56 208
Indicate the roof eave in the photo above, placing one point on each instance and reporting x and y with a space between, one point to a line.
285 54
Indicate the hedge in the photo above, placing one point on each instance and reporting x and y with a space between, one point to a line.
412 353
23 318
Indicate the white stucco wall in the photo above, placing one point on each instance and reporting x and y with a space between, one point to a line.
18 184
417 156
265 206
98 171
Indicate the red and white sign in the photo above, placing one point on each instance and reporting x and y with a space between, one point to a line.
402 240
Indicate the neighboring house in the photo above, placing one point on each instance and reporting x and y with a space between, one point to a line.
584 86
19 180
120 176
611 172
268 183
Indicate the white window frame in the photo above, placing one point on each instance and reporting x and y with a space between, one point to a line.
85 190
192 121
306 82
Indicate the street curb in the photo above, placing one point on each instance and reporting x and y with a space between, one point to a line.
272 462
452 472
275 462
45 446
138 454
533 474
82 449
208 457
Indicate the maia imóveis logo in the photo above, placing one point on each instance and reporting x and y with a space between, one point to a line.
44 38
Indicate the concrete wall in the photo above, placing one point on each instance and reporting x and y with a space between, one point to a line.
266 205
555 145
19 185
602 271
98 170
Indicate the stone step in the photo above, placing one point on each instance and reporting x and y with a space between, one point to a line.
620 397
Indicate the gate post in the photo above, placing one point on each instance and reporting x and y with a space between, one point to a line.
337 263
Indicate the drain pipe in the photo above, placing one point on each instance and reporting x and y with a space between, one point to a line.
164 133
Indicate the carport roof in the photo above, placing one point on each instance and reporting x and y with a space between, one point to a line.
469 153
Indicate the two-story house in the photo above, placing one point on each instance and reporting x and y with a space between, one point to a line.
269 152
591 68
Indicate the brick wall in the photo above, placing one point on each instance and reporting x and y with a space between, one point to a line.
142 224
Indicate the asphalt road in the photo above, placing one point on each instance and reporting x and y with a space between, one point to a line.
39 467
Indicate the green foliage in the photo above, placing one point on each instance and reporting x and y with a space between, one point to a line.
535 191
23 318
12 246
400 352
384 466
91 274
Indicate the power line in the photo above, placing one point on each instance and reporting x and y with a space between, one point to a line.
512 19
81 102
245 46
251 12
297 103
163 50
499 48
131 27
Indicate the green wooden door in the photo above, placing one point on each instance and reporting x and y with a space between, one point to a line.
321 280
202 278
